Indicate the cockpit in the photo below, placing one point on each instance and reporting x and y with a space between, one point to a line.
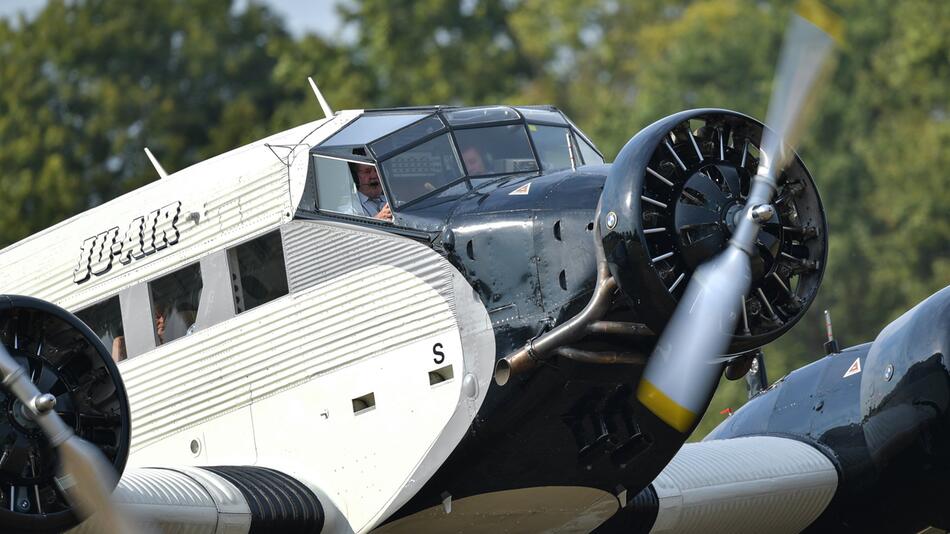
423 157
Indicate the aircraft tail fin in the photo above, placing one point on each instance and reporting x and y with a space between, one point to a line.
323 101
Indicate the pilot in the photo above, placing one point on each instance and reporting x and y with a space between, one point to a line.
370 192
474 163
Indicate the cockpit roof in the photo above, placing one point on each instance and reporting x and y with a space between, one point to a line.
370 128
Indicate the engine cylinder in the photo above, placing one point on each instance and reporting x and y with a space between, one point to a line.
670 203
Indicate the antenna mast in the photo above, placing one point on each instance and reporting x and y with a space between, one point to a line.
323 102
158 166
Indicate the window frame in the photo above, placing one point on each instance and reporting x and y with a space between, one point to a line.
362 160
151 300
121 323
344 153
234 278
453 144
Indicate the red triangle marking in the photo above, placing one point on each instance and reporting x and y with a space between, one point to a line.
523 190
854 369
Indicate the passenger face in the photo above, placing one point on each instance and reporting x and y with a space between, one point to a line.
473 161
160 326
368 181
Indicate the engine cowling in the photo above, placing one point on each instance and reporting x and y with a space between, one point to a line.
670 202
62 357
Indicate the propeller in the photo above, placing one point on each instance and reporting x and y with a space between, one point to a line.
683 371
84 475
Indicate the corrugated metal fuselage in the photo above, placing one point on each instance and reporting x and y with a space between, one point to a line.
373 312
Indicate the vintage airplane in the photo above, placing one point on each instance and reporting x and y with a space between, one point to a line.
255 347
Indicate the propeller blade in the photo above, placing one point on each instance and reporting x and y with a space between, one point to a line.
86 478
803 64
681 375
84 474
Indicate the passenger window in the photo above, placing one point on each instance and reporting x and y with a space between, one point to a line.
257 272
496 150
421 170
551 143
175 300
105 320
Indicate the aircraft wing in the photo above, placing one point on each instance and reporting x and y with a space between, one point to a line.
219 500
750 484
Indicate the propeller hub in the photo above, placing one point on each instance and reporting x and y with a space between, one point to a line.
21 418
708 210
731 216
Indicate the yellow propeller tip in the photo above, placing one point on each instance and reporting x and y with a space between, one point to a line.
825 19
668 410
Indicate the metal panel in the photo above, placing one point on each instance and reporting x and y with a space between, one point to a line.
224 201
753 484
383 282
137 319
217 294
319 252
364 314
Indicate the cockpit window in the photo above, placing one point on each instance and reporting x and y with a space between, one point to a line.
552 144
368 128
406 136
342 189
421 170
464 117
496 150
591 157
427 156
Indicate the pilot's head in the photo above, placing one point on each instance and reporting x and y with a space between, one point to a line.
367 180
473 160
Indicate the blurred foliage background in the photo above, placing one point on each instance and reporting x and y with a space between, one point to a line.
87 83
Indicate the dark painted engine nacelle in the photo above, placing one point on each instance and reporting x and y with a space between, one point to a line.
64 358
879 411
670 202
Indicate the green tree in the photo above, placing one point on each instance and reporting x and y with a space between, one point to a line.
876 151
86 85
436 52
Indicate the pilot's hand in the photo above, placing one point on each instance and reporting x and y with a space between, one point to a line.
384 214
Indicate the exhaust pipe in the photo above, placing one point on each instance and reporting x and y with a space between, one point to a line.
575 328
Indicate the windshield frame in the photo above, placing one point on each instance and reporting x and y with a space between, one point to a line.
472 183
